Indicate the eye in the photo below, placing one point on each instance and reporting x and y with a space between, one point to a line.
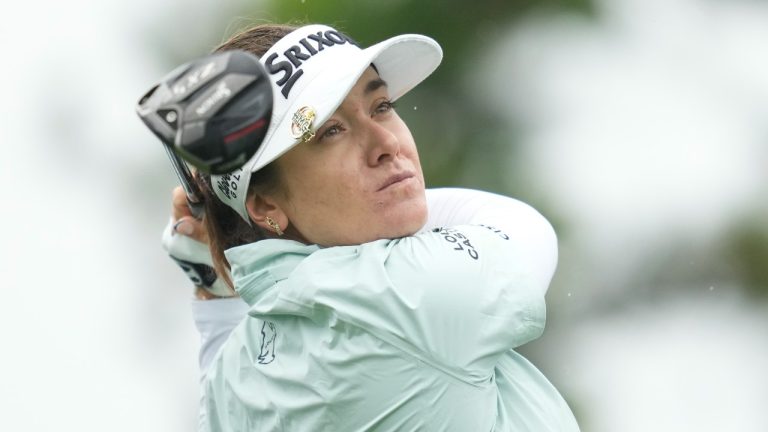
385 107
331 131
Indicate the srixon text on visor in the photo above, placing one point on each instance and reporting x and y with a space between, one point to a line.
307 47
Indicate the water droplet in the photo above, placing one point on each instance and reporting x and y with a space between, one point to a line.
569 294
415 108
711 288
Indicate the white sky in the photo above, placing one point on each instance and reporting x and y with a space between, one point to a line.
693 363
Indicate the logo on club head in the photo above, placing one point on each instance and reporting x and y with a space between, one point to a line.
301 123
221 93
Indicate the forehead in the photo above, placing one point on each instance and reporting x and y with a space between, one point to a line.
368 85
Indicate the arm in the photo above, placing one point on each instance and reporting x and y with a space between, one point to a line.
450 207
456 298
215 319
447 207
215 311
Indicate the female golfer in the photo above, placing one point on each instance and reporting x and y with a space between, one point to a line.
358 318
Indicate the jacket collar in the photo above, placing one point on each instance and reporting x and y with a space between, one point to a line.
257 267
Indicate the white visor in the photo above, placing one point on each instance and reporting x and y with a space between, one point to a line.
312 70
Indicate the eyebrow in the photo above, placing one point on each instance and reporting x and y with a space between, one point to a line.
374 85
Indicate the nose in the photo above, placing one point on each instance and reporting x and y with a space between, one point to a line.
382 144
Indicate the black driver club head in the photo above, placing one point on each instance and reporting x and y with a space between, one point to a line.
213 112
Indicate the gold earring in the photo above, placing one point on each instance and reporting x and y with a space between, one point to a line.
271 222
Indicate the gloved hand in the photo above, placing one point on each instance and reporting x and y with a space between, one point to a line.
185 240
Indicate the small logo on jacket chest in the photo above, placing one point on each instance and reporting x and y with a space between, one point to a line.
268 336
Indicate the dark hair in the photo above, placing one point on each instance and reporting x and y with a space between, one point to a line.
225 227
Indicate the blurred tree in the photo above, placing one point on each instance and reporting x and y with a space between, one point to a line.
746 252
461 142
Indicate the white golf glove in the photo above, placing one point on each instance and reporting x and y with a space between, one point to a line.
194 258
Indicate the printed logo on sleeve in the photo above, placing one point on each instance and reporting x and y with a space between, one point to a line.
498 232
459 241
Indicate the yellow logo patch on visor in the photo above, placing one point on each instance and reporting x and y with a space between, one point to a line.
301 123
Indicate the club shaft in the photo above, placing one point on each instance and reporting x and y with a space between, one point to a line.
187 183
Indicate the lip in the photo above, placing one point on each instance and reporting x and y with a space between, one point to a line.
395 178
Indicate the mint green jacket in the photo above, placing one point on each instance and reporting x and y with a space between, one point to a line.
413 334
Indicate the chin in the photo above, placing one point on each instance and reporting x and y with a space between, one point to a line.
405 222
400 216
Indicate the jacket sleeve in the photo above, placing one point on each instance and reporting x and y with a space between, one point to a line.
455 298
214 320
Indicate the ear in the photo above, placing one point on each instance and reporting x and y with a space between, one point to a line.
260 207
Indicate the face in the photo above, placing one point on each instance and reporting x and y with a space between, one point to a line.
359 179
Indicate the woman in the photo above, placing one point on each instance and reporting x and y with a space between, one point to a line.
358 318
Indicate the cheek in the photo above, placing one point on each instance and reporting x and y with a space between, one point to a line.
408 146
325 193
